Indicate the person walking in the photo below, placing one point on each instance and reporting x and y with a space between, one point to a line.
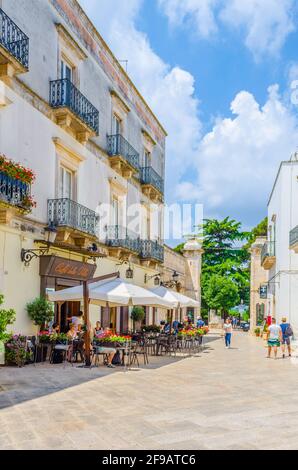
287 332
274 338
228 332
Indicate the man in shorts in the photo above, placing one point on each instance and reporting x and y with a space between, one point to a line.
274 338
286 336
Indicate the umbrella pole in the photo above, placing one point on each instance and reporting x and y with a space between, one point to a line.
87 323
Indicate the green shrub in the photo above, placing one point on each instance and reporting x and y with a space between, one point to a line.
137 314
7 317
40 311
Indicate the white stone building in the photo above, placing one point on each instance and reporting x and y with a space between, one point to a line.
70 113
279 254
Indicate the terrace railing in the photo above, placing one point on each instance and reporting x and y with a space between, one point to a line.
120 237
64 94
118 145
67 213
151 177
268 250
294 236
13 191
14 40
151 249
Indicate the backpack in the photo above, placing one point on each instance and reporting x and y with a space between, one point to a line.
57 357
289 331
117 359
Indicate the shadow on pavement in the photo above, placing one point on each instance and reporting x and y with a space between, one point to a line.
30 382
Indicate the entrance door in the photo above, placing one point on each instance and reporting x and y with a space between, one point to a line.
68 309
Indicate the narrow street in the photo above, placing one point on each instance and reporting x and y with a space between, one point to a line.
224 399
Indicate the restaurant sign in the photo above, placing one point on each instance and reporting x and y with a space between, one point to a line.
54 266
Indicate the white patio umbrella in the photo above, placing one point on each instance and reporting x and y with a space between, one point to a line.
178 300
112 293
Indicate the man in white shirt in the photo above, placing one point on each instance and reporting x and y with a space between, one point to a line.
274 338
228 332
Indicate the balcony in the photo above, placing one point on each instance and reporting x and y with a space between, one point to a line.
75 223
151 252
294 239
14 194
268 255
14 48
72 110
124 158
121 242
152 184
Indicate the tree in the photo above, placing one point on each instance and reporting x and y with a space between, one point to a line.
221 293
225 256
137 315
259 231
40 311
7 317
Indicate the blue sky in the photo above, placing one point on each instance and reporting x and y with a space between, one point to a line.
217 73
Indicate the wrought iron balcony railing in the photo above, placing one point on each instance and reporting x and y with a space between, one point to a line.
150 176
294 236
150 249
63 94
14 40
118 145
268 250
67 213
120 237
13 191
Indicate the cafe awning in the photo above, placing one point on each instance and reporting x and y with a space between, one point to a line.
113 293
178 300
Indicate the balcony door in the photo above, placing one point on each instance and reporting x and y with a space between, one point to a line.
116 125
147 159
66 70
66 182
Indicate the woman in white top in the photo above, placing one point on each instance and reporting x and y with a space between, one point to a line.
228 332
274 338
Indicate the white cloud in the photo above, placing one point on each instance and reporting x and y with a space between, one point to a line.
232 168
265 23
169 91
238 160
194 13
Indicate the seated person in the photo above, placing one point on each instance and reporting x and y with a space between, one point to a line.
98 328
110 352
55 329
72 333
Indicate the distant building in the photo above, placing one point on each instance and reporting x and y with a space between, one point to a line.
258 284
279 253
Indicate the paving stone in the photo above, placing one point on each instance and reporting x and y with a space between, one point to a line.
223 399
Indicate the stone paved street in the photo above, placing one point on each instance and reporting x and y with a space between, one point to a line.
224 399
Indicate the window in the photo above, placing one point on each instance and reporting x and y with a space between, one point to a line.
65 183
116 124
147 158
66 70
115 211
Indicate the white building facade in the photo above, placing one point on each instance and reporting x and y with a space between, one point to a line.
70 113
280 253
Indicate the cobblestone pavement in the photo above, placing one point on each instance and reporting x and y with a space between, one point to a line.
223 399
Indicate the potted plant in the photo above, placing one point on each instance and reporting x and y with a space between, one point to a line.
7 317
257 331
151 329
137 315
16 352
40 311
